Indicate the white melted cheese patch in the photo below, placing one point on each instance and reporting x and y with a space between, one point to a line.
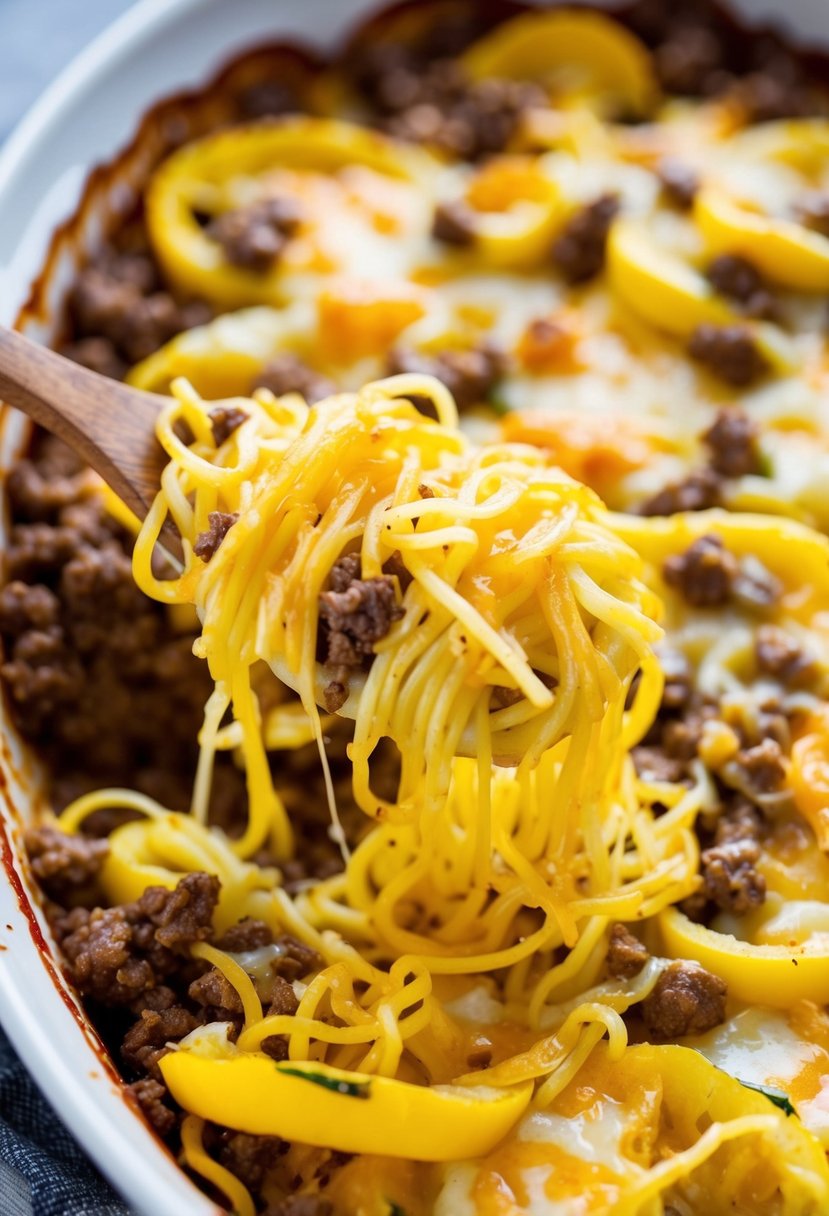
761 1047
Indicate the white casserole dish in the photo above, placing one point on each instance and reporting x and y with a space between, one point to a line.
89 114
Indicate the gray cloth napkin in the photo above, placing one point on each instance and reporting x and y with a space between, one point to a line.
43 1171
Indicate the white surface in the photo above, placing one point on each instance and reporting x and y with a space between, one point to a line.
85 117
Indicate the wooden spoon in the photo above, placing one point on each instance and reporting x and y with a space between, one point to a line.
110 425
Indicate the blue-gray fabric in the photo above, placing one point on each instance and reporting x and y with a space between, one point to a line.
43 1171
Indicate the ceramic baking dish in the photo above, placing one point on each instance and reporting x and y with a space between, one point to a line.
159 48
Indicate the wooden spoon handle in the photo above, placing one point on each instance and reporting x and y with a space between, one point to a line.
109 425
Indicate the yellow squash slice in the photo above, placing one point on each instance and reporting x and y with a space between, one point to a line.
352 1112
583 52
658 286
784 251
222 358
515 210
198 177
774 975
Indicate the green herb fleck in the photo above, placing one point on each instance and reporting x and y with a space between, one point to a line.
496 401
350 1089
765 466
394 1208
777 1096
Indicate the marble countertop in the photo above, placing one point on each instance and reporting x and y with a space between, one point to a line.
39 37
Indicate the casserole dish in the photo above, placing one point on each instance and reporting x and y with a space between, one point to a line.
155 49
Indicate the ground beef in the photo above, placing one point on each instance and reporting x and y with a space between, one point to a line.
335 695
217 995
248 1157
247 934
185 914
150 1095
707 575
38 552
732 441
503 697
296 960
115 954
626 955
208 542
758 770
224 420
37 492
739 820
65 866
728 351
654 764
98 355
98 947
778 655
704 574
579 250
284 1001
681 736
740 280
777 92
687 999
145 1043
690 61
731 879
699 491
679 181
454 223
119 300
253 237
427 99
98 680
275 1046
23 607
287 373
355 613
470 375
679 678
42 679
812 210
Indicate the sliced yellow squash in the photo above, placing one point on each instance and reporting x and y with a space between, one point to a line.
515 210
222 358
658 286
199 176
585 52
352 1112
785 252
759 975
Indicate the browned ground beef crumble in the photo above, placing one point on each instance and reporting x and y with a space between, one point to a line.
208 542
686 999
108 691
470 375
287 373
626 955
729 351
578 252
